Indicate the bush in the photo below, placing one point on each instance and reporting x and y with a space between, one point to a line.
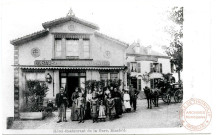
34 95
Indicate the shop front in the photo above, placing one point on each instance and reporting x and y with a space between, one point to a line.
67 53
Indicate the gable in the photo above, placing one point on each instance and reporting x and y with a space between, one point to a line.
71 27
55 22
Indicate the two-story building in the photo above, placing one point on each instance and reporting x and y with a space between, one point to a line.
145 66
69 51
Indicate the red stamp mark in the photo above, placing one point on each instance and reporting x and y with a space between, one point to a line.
195 114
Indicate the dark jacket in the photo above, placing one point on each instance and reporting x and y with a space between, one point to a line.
133 93
61 99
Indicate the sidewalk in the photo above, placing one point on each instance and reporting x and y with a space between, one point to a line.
162 116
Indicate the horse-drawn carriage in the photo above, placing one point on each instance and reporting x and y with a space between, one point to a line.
171 90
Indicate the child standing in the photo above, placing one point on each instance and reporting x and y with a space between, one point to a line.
80 107
102 115
111 112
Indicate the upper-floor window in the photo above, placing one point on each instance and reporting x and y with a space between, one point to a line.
156 67
86 49
133 67
58 47
72 48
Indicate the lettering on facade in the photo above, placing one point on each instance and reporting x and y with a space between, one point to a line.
146 58
71 63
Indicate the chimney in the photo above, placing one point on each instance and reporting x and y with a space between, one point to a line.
137 47
148 48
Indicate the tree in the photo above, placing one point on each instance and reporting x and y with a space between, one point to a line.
175 49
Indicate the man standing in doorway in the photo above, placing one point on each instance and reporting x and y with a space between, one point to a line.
133 96
61 102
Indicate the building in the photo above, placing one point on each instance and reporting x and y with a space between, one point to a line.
68 51
145 66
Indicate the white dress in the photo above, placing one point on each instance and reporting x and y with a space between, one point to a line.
127 101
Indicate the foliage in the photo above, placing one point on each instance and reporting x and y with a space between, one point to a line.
175 50
34 94
91 84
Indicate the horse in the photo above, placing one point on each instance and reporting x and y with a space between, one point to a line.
149 94
152 96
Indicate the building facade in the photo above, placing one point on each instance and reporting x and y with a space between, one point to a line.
145 66
68 51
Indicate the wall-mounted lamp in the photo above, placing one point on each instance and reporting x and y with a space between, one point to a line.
48 78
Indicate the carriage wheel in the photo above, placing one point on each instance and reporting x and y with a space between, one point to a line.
178 96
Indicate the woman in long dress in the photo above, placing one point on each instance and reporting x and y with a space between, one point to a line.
94 108
74 110
126 98
88 106
118 102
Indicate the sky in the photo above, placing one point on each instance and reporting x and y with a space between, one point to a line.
126 20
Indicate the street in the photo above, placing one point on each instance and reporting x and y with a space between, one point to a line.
164 116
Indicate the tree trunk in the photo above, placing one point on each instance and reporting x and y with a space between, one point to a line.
179 76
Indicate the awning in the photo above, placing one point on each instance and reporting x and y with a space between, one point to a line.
73 68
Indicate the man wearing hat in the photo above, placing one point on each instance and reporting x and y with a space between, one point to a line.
61 102
133 96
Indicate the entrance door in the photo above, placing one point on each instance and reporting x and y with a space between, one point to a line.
72 83
134 82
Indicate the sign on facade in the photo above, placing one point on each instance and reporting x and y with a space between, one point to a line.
71 63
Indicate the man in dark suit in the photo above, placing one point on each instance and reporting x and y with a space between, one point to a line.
133 96
61 102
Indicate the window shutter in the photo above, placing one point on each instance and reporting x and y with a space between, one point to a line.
139 68
151 67
161 68
128 66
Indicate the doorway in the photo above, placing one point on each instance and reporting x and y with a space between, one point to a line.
72 83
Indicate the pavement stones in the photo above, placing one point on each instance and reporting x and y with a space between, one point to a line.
164 116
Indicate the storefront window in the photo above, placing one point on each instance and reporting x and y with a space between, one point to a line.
63 82
104 76
35 76
113 76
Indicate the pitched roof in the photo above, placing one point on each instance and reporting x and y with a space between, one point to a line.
29 37
112 39
143 51
69 18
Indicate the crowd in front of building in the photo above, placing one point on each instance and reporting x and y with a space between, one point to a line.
97 104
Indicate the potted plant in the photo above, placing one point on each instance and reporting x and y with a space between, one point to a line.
34 96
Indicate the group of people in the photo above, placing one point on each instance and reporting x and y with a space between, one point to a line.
96 104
